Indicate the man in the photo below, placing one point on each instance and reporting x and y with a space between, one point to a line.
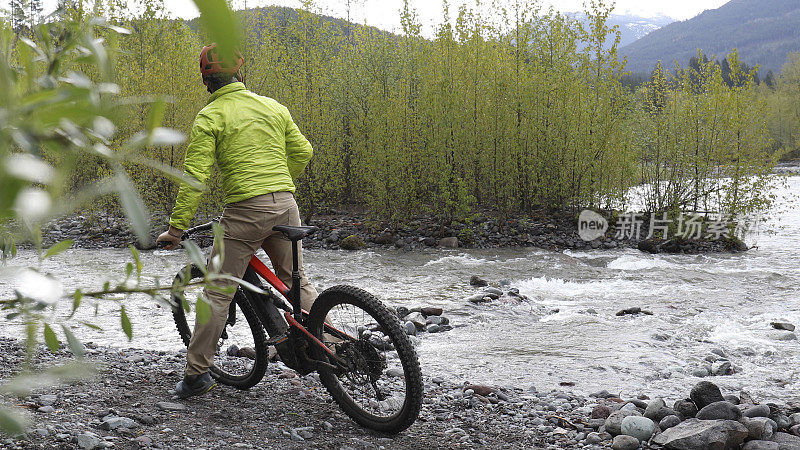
259 151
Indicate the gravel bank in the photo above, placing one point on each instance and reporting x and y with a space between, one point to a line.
128 404
339 229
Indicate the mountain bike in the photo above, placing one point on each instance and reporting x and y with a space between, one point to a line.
353 341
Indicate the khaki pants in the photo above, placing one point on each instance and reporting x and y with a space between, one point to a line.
248 226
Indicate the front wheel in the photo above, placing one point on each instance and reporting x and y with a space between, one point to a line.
382 388
241 355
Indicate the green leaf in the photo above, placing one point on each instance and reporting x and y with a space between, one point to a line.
73 342
137 260
203 310
91 325
76 301
126 323
155 115
133 205
50 338
11 422
128 270
195 255
218 21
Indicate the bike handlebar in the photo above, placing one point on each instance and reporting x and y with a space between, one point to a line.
186 234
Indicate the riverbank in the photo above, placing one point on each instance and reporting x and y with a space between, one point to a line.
128 404
353 231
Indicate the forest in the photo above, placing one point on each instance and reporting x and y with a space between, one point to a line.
513 113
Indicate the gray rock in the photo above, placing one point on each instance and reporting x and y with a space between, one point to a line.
112 423
782 421
653 407
410 328
48 399
759 428
448 242
761 445
786 441
700 372
669 422
432 328
732 399
593 438
305 432
719 410
477 281
46 409
438 320
756 411
686 409
613 423
795 418
89 441
721 367
704 393
623 442
693 434
295 436
493 292
478 298
782 326
394 372
783 336
600 412
42 432
169 406
639 427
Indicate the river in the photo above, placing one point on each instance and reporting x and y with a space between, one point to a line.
699 303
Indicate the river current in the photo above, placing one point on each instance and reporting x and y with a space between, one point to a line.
699 303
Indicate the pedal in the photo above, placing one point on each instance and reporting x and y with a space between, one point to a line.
279 339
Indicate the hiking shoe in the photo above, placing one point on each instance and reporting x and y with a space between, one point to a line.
195 385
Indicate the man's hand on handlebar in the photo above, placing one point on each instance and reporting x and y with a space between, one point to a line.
169 239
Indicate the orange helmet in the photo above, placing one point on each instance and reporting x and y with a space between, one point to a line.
211 62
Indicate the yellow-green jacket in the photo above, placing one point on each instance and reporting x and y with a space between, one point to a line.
255 143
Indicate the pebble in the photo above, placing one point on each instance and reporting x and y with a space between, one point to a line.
757 411
600 412
782 326
613 423
639 427
623 442
48 399
704 393
669 422
89 441
112 423
170 406
593 438
686 409
305 432
719 410
759 428
46 409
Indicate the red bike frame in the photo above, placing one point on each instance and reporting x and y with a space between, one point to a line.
260 268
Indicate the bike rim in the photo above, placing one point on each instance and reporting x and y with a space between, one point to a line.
376 379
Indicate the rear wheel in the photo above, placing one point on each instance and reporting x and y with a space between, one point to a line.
241 355
382 390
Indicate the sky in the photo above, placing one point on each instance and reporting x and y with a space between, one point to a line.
384 13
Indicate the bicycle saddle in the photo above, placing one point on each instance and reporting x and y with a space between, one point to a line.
295 233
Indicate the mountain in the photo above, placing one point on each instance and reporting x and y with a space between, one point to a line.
764 31
631 27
